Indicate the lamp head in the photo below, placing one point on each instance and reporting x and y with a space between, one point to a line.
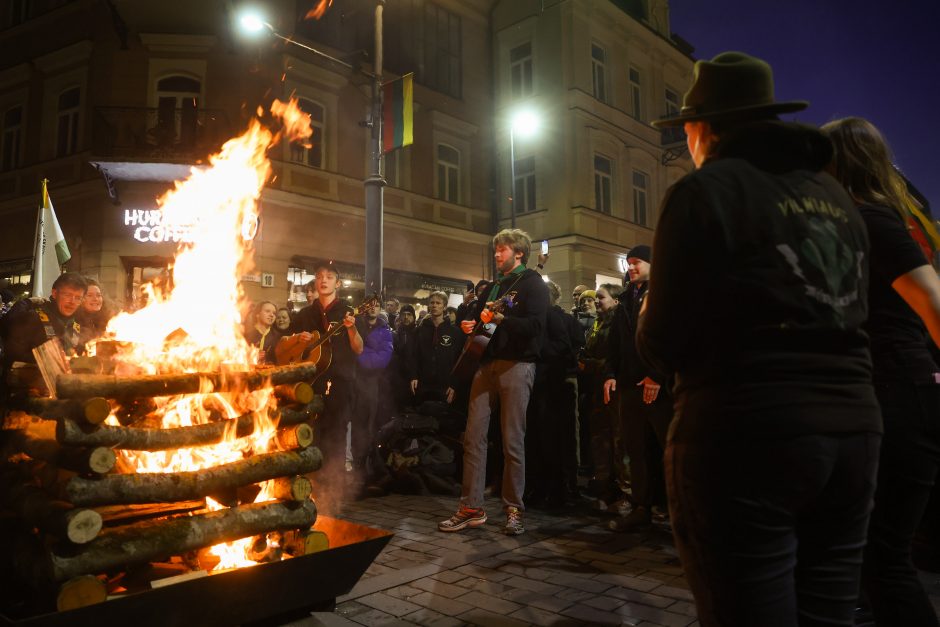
251 22
525 123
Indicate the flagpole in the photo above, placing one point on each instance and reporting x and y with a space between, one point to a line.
37 239
374 182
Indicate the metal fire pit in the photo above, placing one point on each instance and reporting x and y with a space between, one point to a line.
263 594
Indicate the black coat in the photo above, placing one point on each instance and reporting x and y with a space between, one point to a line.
433 353
519 336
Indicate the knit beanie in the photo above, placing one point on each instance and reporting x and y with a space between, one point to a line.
642 252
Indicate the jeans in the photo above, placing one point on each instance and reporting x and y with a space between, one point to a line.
771 532
509 382
910 454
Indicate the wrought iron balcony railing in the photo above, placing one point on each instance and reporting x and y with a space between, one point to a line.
162 134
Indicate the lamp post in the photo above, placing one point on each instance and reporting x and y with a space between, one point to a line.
526 123
374 182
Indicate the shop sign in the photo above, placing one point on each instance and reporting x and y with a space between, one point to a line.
150 226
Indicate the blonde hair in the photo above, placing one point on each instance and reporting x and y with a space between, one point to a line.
517 239
439 295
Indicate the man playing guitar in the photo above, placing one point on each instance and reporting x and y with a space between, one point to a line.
326 311
506 373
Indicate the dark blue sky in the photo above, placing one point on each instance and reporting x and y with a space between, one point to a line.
877 59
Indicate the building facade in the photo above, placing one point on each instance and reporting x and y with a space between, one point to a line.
113 101
589 180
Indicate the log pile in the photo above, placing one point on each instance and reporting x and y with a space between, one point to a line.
85 514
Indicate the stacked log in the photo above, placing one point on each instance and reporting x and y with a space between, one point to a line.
86 513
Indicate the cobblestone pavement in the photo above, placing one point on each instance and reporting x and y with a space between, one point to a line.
567 569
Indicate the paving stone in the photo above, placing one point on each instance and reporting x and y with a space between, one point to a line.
489 602
443 605
389 604
439 587
574 595
449 576
351 608
543 618
683 607
655 615
673 592
473 570
531 584
403 592
592 615
614 558
645 598
476 616
486 587
580 583
323 619
378 617
608 604
430 618
534 599
626 581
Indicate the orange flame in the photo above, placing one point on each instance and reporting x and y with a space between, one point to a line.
192 324
317 12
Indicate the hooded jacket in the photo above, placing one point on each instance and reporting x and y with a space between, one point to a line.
519 336
376 345
433 353
759 292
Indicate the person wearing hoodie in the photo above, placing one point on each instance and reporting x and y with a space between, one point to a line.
772 453
370 368
433 352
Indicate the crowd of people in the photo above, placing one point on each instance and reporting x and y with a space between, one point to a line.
781 411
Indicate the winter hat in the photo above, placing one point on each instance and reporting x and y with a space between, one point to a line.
407 308
642 252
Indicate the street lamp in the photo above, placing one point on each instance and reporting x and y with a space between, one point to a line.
525 123
253 23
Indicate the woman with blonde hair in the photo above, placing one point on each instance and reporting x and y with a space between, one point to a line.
904 307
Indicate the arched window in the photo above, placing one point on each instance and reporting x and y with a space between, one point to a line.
448 173
68 110
311 152
177 106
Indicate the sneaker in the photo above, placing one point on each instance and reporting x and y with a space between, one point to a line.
465 517
639 518
513 525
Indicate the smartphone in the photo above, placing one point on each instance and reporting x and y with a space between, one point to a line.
544 246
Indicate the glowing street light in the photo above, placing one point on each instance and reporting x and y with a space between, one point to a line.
526 123
251 23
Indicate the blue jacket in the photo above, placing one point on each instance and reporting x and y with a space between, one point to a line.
376 345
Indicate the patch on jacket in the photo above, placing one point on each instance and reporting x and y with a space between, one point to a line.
446 340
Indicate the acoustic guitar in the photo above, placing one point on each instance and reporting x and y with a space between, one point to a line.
477 341
293 349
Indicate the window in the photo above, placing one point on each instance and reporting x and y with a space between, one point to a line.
12 136
636 94
672 134
439 42
520 70
602 176
672 102
17 12
67 122
310 152
598 65
177 107
448 173
640 193
523 194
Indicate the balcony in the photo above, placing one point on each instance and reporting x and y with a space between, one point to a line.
672 135
142 133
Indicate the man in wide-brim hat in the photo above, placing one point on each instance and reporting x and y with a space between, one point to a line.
756 303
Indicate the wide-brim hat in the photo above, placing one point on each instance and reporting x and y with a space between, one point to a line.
730 85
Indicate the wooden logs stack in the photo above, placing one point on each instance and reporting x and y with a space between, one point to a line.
85 513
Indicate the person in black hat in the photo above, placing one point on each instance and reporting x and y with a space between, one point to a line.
645 403
773 448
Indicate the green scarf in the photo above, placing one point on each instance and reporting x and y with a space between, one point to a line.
496 284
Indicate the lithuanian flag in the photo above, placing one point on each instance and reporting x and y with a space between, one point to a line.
397 114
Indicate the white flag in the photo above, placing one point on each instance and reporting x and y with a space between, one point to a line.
50 250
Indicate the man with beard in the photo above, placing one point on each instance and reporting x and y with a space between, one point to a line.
645 402
29 324
516 306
